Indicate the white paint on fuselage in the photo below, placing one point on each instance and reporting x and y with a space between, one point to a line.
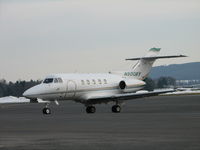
72 87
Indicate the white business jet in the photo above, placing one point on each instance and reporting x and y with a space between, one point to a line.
91 89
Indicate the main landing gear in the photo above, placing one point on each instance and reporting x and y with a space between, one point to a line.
116 109
90 109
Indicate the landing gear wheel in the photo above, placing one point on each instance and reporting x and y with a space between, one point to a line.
46 111
90 109
116 109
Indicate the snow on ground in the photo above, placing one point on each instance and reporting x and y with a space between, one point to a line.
183 92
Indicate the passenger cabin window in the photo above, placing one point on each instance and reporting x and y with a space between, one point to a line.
48 80
99 81
105 81
88 82
82 82
93 81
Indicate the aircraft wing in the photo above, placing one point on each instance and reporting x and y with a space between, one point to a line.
20 100
129 96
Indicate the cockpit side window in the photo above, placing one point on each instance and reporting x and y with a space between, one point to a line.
48 80
60 80
55 80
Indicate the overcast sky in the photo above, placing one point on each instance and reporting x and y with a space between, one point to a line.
40 37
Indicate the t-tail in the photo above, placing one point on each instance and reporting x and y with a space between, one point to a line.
144 65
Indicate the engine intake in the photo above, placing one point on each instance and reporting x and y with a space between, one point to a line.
122 85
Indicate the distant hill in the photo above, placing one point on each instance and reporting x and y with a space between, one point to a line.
188 71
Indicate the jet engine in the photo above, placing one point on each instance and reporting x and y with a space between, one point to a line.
122 85
130 83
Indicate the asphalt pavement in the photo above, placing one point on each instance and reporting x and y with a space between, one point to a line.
157 123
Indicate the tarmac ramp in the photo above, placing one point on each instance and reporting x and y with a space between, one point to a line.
157 123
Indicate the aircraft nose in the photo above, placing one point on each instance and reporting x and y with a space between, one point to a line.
30 93
27 93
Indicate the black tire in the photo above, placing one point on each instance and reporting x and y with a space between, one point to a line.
90 109
46 111
116 109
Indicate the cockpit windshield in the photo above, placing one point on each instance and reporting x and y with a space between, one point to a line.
51 80
48 80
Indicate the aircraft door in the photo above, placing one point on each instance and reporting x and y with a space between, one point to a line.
71 89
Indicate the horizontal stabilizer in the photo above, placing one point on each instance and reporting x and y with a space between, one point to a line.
156 57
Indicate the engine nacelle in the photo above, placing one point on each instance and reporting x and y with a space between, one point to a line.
130 83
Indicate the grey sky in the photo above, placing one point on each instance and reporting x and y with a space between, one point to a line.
39 37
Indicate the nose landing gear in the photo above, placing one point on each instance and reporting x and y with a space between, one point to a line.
46 110
116 109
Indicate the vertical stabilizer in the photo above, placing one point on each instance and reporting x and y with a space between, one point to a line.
143 67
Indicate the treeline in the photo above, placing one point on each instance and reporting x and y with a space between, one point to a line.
15 89
18 88
162 82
